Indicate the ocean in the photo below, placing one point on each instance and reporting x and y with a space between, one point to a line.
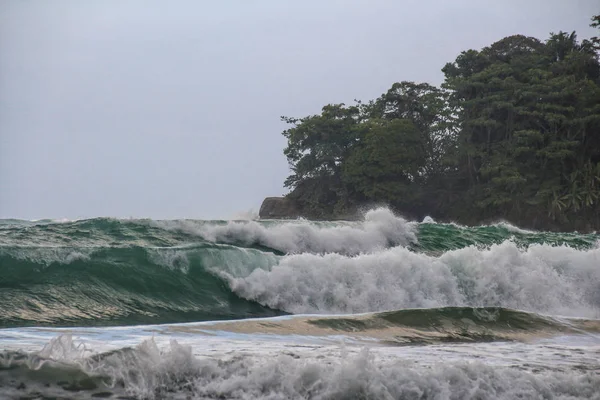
381 308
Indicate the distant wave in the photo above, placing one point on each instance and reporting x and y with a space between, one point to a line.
379 230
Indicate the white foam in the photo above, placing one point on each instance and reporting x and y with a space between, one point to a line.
380 229
499 224
48 255
544 279
148 371
428 220
235 260
512 228
174 258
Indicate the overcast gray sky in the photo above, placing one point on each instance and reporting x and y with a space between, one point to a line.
171 109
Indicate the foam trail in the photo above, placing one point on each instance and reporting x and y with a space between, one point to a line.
380 229
48 255
544 279
149 372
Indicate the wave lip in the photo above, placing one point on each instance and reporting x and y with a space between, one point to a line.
379 230
64 286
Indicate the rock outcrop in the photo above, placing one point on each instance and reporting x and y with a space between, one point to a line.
279 208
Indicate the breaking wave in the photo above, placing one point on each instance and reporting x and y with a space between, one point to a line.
119 272
64 369
541 278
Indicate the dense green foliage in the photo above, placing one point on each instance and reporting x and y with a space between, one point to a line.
513 132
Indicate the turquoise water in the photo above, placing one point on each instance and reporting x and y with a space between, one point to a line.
122 289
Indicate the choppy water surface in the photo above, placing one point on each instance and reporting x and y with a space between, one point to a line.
382 308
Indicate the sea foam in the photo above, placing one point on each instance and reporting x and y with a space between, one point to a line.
149 372
556 280
380 229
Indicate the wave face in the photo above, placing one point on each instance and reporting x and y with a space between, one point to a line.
119 272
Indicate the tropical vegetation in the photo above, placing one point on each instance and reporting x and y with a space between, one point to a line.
512 133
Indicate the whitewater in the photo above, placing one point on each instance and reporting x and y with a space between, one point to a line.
381 308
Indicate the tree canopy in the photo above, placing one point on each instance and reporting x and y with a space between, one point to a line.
513 132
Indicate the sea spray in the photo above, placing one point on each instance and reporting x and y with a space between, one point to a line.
151 372
130 279
107 271
546 279
379 230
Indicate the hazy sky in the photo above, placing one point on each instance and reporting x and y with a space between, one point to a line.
171 109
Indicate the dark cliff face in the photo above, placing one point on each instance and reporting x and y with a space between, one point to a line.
289 208
279 208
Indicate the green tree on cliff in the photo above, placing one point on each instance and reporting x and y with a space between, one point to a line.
514 132
528 121
318 146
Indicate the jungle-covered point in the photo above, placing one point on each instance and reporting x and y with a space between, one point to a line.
512 133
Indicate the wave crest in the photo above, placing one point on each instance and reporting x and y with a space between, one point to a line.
379 230
149 372
544 279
